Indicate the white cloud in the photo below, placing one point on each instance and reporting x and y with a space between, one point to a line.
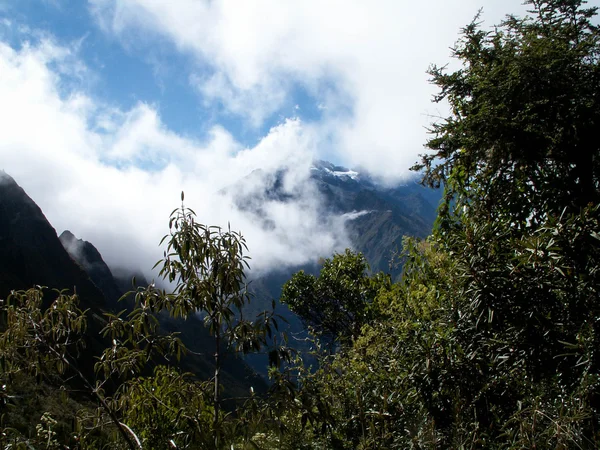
112 177
369 57
254 103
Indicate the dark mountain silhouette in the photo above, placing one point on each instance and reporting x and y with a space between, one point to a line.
31 253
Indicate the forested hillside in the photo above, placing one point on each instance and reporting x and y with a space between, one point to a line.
489 339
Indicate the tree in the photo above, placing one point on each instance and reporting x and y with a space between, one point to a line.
150 403
167 409
520 165
525 109
47 342
490 339
207 265
336 304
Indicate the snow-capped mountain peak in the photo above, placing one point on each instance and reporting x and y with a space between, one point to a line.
325 169
342 174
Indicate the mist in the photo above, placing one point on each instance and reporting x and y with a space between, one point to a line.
111 170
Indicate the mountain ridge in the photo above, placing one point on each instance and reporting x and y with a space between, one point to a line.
376 219
31 253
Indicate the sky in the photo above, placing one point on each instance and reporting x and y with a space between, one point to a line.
110 108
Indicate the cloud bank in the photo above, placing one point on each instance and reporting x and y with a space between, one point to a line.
112 174
112 177
364 63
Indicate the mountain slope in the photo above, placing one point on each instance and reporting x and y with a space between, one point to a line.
237 377
91 261
378 216
31 253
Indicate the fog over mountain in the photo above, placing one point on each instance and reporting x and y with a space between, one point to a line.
112 177
368 217
110 109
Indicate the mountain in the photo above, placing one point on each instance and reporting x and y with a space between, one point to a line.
377 217
32 254
237 377
89 258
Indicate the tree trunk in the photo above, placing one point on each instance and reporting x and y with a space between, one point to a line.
216 398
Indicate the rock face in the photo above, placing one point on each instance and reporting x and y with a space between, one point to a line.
31 253
112 284
89 258
378 217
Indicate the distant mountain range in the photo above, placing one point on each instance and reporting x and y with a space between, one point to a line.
32 254
379 216
376 216
376 219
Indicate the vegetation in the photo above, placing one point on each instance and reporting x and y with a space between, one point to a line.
488 341
136 397
337 303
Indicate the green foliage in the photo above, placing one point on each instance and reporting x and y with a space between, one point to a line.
167 407
45 341
37 339
207 265
337 303
135 338
514 333
521 139
489 340
519 161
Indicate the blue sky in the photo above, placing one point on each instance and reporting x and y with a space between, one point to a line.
111 107
150 71
149 52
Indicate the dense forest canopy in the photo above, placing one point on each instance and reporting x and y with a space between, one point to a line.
489 340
